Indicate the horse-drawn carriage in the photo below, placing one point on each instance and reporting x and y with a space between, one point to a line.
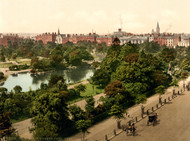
152 118
130 128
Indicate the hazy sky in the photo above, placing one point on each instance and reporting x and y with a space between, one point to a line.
103 16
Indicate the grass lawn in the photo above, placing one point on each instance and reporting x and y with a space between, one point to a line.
24 62
89 91
5 65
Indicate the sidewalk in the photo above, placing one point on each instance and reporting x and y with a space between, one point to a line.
106 127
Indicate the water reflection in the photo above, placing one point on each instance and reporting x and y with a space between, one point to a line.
28 81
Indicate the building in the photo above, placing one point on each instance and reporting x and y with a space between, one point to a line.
119 33
170 40
158 28
133 39
185 41
12 38
108 40
46 37
59 38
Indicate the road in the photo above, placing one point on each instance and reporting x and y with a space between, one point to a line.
174 124
106 127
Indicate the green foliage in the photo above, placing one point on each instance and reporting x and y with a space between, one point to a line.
89 107
101 77
2 75
54 79
160 89
83 125
117 111
185 64
5 124
18 67
184 75
17 89
174 83
168 54
51 116
76 112
140 99
80 88
113 88
150 47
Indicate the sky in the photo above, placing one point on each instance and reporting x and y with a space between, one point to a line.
100 16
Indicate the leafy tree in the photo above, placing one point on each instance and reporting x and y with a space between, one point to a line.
185 64
113 88
83 125
131 58
184 75
50 115
6 128
17 89
75 58
161 78
76 112
80 88
89 107
101 77
54 79
168 54
61 85
117 112
160 90
2 75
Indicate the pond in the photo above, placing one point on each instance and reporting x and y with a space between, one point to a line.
33 82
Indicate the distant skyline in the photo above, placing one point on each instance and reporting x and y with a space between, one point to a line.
101 16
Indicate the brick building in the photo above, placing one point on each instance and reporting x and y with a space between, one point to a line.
105 39
46 37
13 38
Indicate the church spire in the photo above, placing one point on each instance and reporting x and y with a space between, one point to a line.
157 28
58 32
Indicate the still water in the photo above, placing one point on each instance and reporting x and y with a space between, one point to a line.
28 81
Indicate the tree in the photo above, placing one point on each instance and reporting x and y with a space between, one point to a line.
75 58
76 112
131 58
117 111
113 88
55 78
83 125
101 77
50 115
61 85
2 75
17 89
89 107
160 90
168 54
80 88
6 128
